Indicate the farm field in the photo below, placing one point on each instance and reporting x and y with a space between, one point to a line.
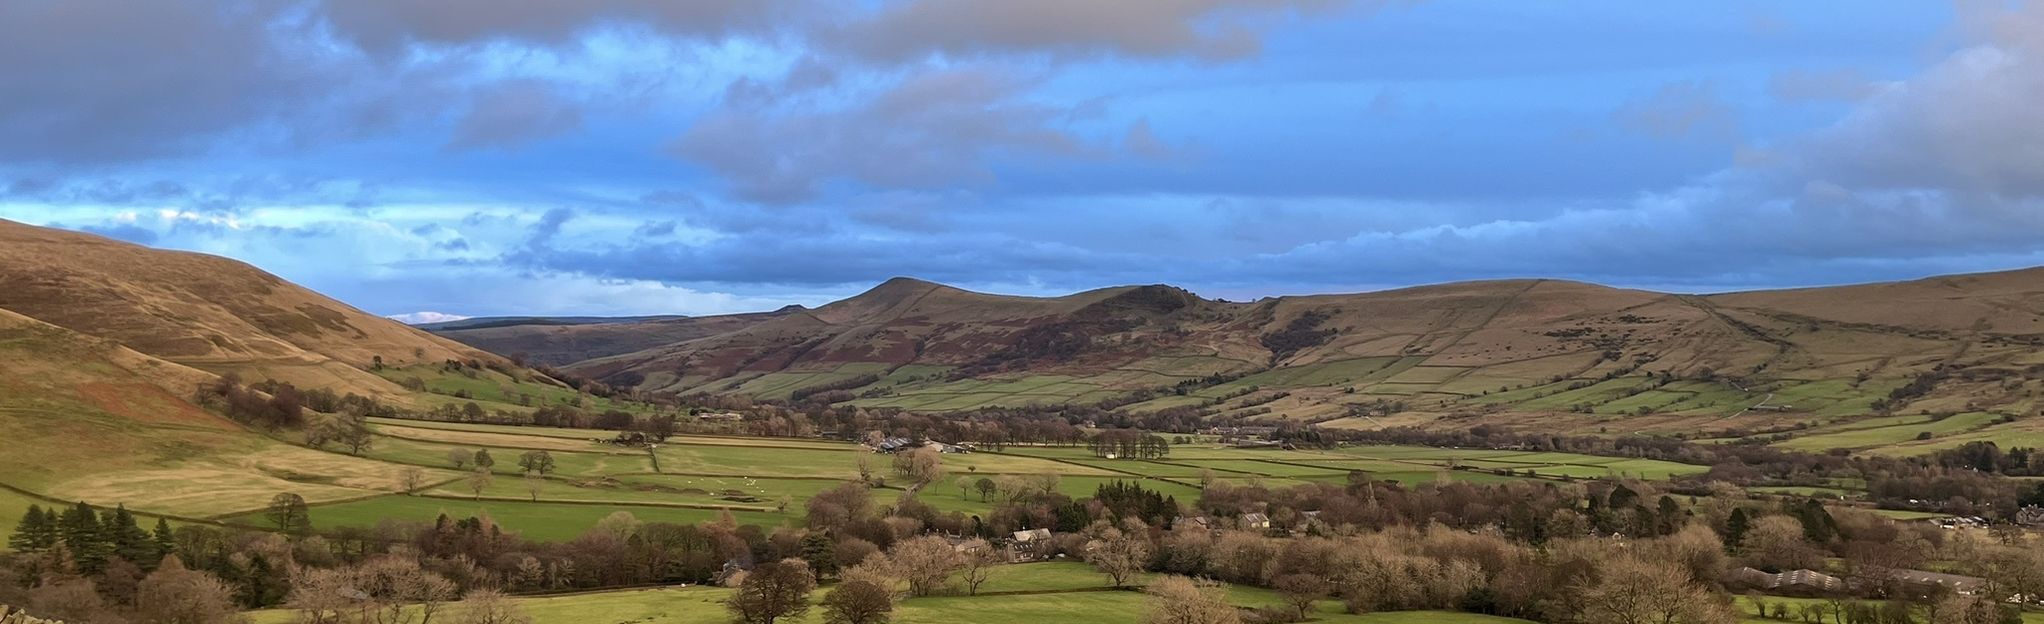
1890 435
1065 592
695 478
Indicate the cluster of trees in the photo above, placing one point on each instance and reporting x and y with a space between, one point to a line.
1129 444
1301 333
282 406
1599 552
1959 481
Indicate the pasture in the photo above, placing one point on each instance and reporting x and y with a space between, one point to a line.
690 479
1065 592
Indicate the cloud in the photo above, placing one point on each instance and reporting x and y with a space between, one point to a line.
1795 85
387 26
1679 110
1143 142
512 113
1204 29
421 318
932 129
96 80
1970 126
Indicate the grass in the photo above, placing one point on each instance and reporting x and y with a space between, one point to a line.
1869 437
543 521
1064 592
495 390
1747 615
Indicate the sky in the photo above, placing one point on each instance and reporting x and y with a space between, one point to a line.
454 158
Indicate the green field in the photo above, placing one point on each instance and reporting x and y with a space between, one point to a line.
1890 435
543 520
1067 593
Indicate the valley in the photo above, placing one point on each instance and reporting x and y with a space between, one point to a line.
638 470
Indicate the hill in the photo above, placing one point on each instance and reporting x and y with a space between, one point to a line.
559 341
481 322
1526 353
88 419
207 312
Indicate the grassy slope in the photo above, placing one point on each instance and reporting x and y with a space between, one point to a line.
1544 352
89 420
206 312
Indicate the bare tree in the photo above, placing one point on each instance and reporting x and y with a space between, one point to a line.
858 602
923 465
1300 591
411 479
480 480
533 484
980 559
1180 600
1119 555
489 606
1635 591
175 594
458 458
926 563
772 591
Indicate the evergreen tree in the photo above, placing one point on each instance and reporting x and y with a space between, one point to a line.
126 539
1736 528
166 541
820 552
79 528
260 584
37 531
1668 517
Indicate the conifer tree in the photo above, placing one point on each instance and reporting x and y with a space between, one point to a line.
79 527
166 541
127 540
37 531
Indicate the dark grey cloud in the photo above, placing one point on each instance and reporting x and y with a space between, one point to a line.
387 26
933 129
1206 29
512 113
95 80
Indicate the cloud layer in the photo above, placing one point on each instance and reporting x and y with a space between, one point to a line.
636 156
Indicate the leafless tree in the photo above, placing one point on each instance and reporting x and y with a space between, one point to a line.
1180 600
772 591
980 559
480 480
926 563
858 602
489 606
1120 555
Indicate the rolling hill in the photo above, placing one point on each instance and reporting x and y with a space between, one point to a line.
207 312
1533 353
555 342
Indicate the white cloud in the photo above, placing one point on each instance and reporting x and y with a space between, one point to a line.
421 318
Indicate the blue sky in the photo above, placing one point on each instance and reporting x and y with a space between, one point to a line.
481 157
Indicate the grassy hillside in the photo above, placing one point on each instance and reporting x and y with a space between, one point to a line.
206 312
88 419
546 341
1522 353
